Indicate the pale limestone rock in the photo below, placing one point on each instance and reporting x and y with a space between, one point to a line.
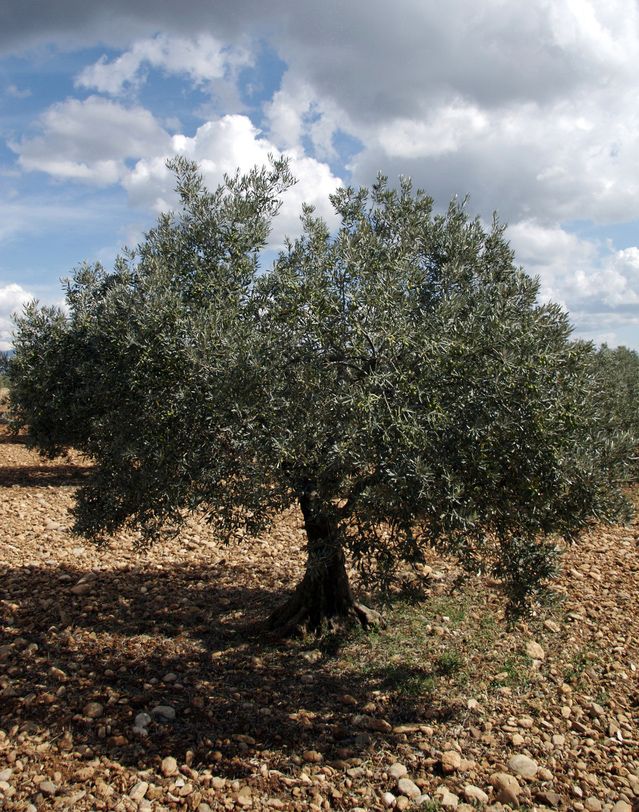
506 787
139 791
169 766
408 788
535 651
397 771
473 793
523 766
47 788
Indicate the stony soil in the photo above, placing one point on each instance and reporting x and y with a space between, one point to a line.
138 681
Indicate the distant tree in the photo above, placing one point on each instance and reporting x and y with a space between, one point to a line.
616 393
4 368
396 379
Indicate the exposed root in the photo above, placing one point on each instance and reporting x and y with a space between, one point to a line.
297 617
369 617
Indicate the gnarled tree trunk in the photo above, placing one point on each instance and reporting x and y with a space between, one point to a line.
323 599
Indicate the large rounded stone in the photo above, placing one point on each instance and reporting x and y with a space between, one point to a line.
408 788
523 766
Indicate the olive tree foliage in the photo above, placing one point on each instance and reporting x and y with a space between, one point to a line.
396 378
4 366
149 369
616 384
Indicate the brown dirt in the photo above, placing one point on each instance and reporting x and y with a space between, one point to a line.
301 725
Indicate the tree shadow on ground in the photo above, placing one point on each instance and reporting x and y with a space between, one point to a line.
186 636
7 438
29 476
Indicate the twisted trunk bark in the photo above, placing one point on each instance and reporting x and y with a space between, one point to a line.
323 599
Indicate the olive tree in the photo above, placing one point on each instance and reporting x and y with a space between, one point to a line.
4 366
395 377
616 393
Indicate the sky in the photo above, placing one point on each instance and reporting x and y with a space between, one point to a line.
531 109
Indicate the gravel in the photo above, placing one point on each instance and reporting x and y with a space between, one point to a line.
136 681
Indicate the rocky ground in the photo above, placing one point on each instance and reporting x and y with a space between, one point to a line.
137 681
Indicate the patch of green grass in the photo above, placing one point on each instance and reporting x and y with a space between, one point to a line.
454 608
487 629
430 806
578 663
412 658
449 663
409 682
515 670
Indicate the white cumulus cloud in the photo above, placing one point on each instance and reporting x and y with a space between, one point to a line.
447 129
295 113
572 159
222 146
598 285
91 140
103 142
12 298
201 58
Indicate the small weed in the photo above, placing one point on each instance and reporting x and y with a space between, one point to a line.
331 643
515 672
450 662
409 681
487 630
430 806
575 671
455 609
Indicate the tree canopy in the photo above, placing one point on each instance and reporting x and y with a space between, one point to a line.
616 393
397 378
4 362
